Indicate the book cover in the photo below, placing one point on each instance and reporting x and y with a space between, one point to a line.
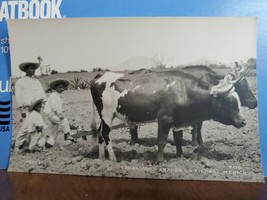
28 9
160 98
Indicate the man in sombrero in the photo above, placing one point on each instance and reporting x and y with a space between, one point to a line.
54 109
28 88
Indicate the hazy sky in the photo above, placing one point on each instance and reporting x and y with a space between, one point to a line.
74 44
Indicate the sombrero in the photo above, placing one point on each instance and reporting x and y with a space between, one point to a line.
25 64
59 81
35 103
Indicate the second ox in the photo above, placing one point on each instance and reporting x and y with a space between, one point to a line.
176 99
204 73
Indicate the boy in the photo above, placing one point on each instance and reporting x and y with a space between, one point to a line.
53 109
31 130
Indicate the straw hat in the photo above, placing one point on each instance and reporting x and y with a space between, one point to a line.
35 103
54 84
25 64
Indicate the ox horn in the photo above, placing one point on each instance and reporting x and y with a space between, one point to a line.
237 80
246 70
225 90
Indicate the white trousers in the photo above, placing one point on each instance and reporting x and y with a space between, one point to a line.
58 125
33 139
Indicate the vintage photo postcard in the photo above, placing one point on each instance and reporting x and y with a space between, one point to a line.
159 98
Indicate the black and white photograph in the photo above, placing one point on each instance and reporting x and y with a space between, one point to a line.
144 97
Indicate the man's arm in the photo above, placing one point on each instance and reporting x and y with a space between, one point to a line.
18 93
19 97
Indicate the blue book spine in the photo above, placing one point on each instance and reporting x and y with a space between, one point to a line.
5 98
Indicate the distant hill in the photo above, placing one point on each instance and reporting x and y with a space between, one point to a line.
134 63
204 61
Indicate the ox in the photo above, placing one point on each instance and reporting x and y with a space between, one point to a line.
176 99
205 74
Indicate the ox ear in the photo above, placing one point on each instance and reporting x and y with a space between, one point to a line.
246 70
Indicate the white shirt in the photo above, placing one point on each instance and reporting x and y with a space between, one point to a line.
27 90
32 120
53 104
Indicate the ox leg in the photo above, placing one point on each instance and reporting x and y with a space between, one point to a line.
194 134
105 132
199 134
101 144
134 135
101 147
178 139
111 152
164 126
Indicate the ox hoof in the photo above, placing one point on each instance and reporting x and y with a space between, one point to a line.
101 157
158 162
194 143
194 156
112 157
135 142
113 160
180 156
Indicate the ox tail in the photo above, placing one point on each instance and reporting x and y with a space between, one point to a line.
93 120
